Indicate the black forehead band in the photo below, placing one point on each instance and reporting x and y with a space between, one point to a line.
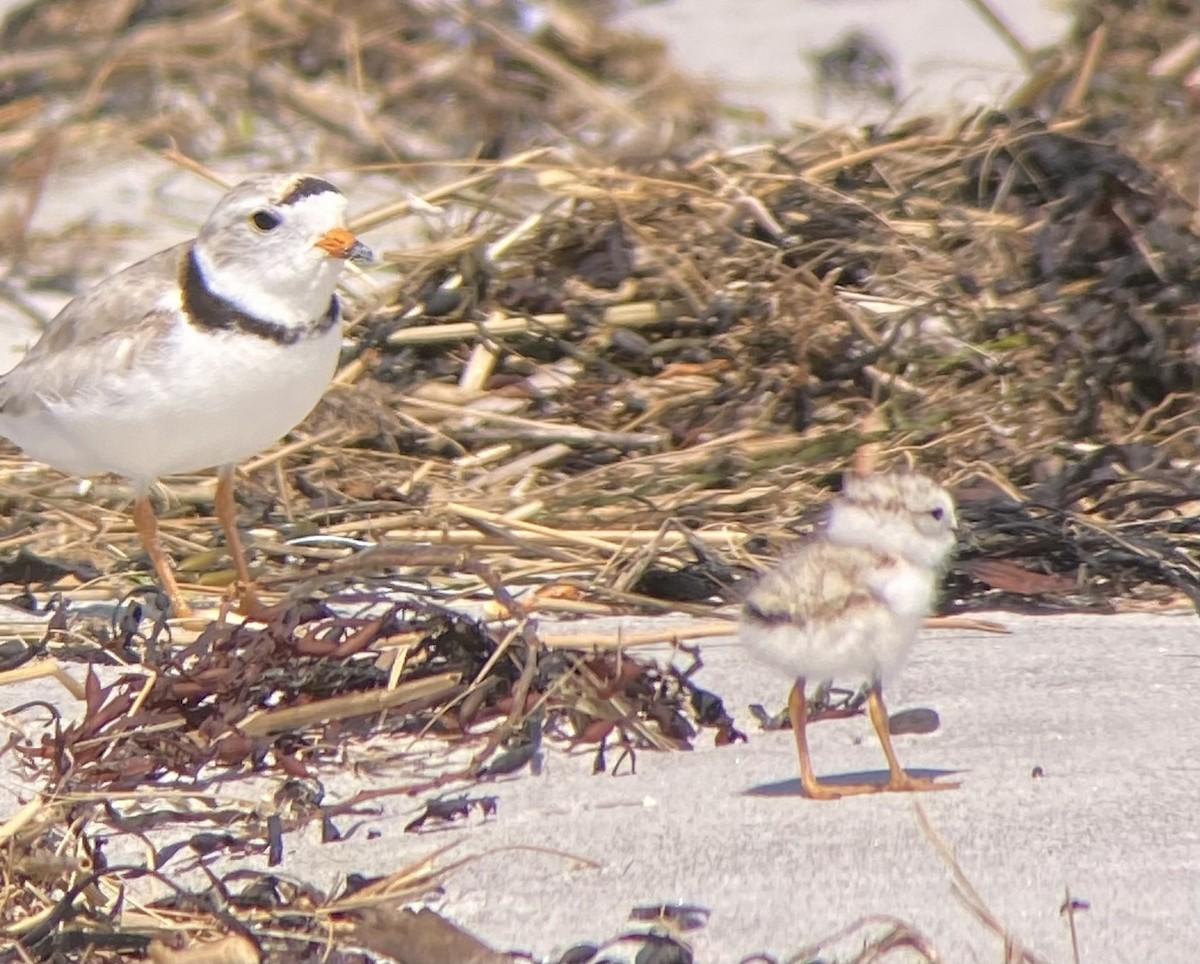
306 187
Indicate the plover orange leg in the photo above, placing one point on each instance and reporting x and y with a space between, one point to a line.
146 523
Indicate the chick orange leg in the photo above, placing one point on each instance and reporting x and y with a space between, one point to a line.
248 602
798 713
898 781
813 789
147 529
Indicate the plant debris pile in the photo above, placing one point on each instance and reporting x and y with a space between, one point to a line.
282 694
430 81
1014 306
94 913
282 697
627 370
671 365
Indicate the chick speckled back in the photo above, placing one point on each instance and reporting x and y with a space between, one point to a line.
850 600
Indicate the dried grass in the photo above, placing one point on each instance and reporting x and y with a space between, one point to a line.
704 336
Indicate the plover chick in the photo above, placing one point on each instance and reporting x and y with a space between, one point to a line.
849 603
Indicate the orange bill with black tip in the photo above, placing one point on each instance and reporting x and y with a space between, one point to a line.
340 243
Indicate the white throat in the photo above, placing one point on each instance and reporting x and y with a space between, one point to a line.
289 293
852 525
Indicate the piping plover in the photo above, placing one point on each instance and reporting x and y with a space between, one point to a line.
199 356
850 601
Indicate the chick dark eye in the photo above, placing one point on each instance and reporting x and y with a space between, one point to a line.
265 220
938 514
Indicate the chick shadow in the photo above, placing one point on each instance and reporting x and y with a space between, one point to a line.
879 778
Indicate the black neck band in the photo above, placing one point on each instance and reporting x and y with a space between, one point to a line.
207 310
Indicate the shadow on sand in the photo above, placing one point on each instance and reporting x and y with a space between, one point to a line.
791 788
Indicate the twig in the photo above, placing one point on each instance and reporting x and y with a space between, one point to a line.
1073 102
397 209
500 325
1004 32
964 890
541 431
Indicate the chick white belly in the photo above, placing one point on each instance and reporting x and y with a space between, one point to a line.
870 646
207 399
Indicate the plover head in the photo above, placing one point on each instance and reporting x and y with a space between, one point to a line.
898 513
275 245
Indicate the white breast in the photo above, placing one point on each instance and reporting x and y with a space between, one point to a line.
208 399
907 589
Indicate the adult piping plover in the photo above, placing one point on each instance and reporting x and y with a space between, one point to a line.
850 601
198 356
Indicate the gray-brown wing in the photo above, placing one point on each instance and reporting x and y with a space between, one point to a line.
97 334
818 583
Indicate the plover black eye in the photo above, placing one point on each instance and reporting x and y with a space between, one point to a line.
938 514
265 221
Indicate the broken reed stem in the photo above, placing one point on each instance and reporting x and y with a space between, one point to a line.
1073 102
591 641
395 531
285 451
965 891
478 369
540 431
522 465
500 325
370 702
501 522
398 209
40 669
1179 59
822 169
1004 32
